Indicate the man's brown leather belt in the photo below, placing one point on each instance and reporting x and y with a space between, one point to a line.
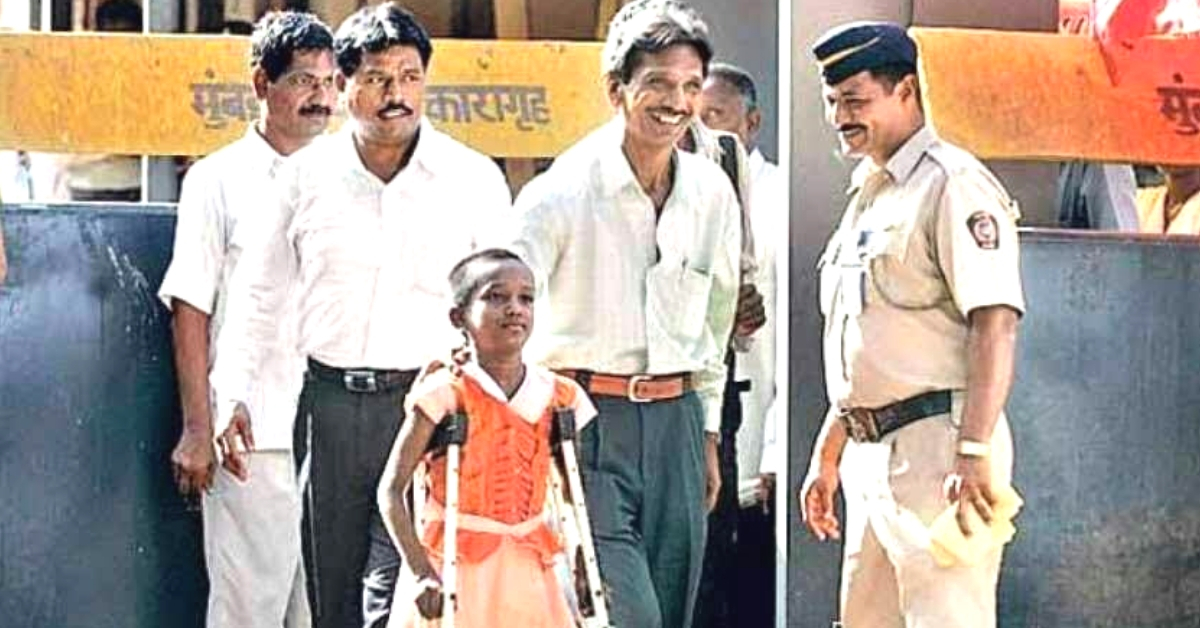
866 425
635 388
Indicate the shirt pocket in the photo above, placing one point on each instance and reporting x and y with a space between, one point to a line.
895 276
677 298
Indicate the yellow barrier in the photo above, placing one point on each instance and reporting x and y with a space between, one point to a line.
190 94
1047 96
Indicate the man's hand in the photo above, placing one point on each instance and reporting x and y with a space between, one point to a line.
816 502
193 461
751 315
766 490
712 471
233 458
970 484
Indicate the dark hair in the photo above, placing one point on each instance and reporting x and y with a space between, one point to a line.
891 74
464 283
375 29
279 35
649 26
119 16
738 79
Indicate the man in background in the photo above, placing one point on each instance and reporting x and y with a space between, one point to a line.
730 104
1174 207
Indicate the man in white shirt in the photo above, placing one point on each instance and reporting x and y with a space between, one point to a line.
366 226
251 506
636 246
730 103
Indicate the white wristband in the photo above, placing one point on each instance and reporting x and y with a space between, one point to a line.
973 449
428 584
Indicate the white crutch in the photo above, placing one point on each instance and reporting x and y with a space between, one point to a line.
452 435
563 435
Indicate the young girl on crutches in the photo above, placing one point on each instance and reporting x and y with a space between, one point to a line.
505 550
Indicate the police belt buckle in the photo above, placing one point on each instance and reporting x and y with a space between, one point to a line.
360 381
860 424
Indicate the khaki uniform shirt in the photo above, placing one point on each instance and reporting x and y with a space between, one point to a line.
925 240
1151 215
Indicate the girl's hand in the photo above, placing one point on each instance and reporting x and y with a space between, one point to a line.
429 601
583 593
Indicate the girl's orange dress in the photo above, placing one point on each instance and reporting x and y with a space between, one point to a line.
505 547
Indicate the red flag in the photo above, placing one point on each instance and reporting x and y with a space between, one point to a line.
1124 26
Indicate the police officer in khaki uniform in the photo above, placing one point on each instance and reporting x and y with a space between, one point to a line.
921 293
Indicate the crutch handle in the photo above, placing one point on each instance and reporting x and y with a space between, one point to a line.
563 428
452 430
455 429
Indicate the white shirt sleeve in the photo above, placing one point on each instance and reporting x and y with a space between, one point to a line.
722 308
539 232
198 256
433 395
495 208
259 290
770 450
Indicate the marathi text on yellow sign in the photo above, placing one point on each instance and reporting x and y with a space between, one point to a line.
1011 95
181 95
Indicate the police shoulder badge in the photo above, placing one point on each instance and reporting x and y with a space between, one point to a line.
984 229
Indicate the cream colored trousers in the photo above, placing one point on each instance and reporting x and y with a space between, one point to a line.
252 547
893 492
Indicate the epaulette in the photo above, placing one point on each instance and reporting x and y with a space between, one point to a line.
955 161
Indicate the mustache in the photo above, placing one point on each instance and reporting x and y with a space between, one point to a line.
846 128
309 110
397 106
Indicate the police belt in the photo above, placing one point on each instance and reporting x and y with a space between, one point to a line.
364 380
866 425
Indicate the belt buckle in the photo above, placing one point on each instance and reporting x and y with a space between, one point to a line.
360 381
634 380
860 423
